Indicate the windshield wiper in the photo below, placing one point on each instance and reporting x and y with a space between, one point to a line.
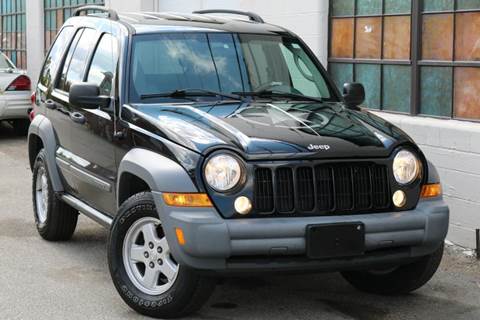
184 93
270 93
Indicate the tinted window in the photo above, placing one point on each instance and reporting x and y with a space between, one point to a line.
52 62
173 61
76 66
223 62
68 58
104 63
281 64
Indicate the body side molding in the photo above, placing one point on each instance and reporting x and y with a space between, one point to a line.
87 210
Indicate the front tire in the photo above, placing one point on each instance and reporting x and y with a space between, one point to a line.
144 272
400 280
55 220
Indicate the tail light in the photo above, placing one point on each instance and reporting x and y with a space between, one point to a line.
31 115
19 84
33 99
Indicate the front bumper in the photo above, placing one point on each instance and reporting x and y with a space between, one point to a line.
214 243
15 105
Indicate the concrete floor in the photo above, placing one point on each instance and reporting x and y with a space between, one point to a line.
70 280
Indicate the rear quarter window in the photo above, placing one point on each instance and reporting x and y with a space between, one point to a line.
53 59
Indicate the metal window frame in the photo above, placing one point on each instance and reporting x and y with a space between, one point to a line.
20 37
65 6
416 62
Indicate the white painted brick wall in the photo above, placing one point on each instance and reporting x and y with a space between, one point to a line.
454 148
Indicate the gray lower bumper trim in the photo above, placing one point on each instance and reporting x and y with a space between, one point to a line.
211 240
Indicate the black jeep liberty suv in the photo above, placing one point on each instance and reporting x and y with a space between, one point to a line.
213 146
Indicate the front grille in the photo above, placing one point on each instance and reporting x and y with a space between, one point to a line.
346 188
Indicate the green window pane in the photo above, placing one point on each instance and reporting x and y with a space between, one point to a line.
436 91
341 73
369 76
47 21
367 7
396 88
342 7
397 6
468 4
438 5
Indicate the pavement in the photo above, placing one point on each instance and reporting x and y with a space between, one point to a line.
70 280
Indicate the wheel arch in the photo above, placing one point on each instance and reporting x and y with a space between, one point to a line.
145 170
42 135
433 176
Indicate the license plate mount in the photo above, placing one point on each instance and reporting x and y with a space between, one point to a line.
335 240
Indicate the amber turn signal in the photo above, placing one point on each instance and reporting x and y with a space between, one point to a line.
180 236
187 199
431 190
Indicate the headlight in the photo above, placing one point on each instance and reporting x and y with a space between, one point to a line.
406 167
223 172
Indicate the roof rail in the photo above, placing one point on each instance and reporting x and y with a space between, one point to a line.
111 14
253 16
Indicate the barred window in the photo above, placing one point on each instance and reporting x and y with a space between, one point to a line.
12 31
371 40
57 11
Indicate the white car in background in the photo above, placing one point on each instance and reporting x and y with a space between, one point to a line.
15 102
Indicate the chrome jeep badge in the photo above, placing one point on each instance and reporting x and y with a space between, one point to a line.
318 147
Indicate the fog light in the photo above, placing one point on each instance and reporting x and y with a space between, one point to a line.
399 198
243 205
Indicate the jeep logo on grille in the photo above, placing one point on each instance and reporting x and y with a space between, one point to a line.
318 147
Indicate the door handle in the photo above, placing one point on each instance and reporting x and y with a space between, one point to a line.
50 104
77 117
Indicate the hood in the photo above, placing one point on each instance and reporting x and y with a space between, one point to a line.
317 130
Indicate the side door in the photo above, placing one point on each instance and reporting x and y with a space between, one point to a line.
48 105
93 152
72 69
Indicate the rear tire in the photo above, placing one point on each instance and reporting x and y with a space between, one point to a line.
137 248
55 220
20 127
401 280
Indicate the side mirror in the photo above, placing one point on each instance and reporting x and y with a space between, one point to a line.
87 96
353 94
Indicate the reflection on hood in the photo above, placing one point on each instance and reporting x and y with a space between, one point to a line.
272 128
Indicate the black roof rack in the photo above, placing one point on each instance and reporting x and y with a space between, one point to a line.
112 14
253 16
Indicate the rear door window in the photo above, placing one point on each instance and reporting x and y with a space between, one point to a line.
54 56
74 70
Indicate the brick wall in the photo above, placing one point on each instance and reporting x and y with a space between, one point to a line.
454 148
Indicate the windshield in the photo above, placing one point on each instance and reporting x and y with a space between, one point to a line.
222 62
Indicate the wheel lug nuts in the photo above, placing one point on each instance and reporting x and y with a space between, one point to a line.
150 245
160 262
146 255
159 250
151 264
